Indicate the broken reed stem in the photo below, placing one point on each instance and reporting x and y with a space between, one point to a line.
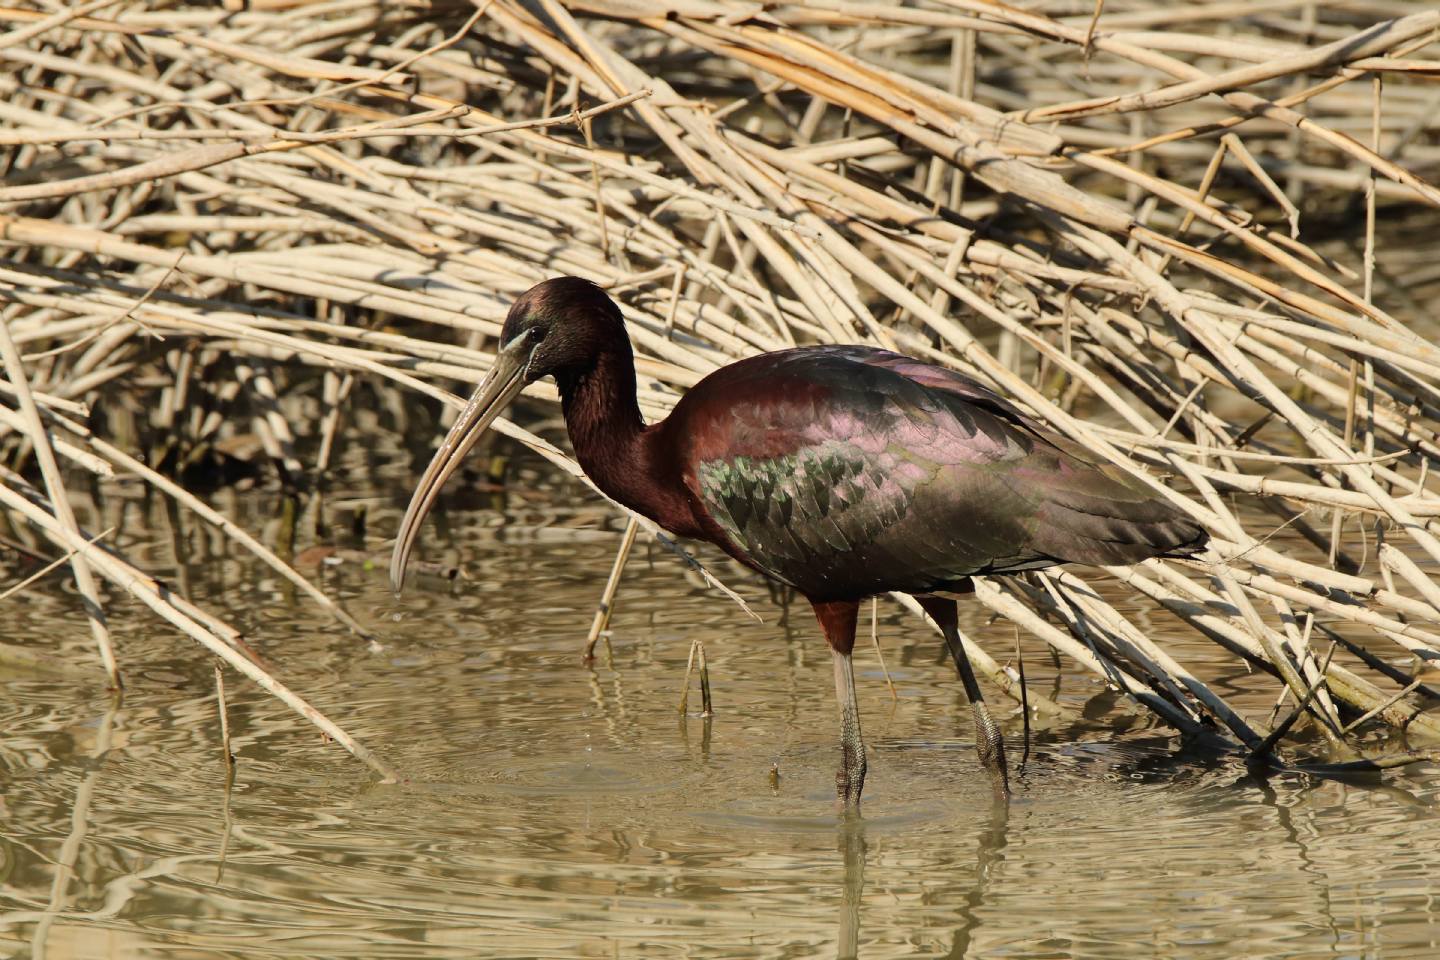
1265 747
606 606
224 711
424 175
879 653
147 592
1024 703
55 486
697 657
201 158
53 564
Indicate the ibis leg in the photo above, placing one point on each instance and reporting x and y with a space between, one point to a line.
837 619
850 778
989 744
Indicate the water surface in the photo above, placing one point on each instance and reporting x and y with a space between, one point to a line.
555 810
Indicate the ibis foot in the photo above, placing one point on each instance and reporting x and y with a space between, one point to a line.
990 748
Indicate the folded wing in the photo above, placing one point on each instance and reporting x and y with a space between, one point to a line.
848 470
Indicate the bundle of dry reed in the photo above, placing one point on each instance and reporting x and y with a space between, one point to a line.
1137 222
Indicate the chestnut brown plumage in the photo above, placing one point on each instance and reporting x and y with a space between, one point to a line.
843 471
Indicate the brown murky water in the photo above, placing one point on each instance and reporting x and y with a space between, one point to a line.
558 811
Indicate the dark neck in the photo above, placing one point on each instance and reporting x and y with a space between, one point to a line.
612 444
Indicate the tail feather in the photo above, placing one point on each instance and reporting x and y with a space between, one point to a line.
1095 513
1126 545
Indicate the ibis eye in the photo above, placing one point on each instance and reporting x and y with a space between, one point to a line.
536 334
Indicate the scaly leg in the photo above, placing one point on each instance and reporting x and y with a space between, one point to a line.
837 619
989 744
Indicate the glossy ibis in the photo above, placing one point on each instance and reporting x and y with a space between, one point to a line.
843 471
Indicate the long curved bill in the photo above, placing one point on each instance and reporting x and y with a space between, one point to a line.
500 386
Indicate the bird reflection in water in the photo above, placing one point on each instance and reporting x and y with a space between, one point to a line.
990 846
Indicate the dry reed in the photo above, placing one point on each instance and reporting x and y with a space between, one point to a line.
1129 218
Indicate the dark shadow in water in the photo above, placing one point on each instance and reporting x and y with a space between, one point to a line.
1368 782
